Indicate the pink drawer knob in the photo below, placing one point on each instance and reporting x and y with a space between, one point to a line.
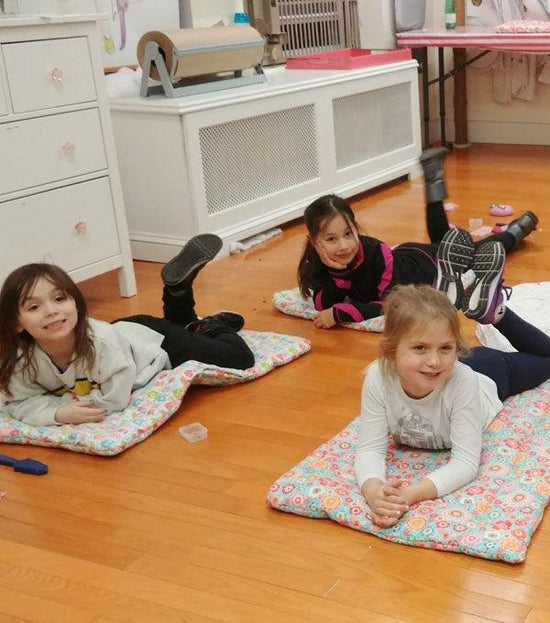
57 75
68 148
81 227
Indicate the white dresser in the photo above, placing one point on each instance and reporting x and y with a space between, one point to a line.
239 161
60 194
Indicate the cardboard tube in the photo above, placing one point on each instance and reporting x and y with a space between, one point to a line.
207 61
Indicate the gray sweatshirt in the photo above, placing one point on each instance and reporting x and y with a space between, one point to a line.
127 356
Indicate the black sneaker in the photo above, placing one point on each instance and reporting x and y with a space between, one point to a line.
454 257
182 269
222 319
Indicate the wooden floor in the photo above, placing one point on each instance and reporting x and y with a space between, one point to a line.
172 531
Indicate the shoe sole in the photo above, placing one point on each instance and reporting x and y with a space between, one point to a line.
233 319
454 257
488 267
534 217
195 254
228 319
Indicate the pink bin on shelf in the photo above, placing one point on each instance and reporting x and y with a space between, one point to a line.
347 58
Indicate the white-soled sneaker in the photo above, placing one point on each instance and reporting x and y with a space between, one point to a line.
487 296
454 259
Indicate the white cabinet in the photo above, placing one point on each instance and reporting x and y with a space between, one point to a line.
3 101
238 161
60 195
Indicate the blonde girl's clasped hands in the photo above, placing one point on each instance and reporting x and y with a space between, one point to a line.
427 390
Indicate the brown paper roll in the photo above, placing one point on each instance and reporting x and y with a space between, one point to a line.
205 62
460 9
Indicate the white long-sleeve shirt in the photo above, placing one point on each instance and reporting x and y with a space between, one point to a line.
127 356
452 416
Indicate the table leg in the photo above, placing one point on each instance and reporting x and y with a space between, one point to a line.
441 69
423 59
421 56
460 99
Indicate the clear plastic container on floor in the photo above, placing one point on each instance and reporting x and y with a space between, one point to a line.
194 432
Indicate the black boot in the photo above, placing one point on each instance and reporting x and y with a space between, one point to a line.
217 323
522 226
434 180
179 304
182 269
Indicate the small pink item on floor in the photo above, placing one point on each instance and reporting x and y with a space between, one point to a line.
500 209
450 205
2 494
483 231
498 228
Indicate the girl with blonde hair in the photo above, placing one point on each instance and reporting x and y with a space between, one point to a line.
428 391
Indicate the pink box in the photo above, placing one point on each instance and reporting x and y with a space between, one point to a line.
347 58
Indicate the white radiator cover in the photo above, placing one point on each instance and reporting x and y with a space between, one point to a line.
240 161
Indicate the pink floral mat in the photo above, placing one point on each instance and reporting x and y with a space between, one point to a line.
493 517
291 302
153 404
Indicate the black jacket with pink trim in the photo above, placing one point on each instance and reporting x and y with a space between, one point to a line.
356 292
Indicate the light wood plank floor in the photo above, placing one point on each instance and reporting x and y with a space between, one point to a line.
171 531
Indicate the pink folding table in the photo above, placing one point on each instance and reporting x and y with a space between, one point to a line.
483 38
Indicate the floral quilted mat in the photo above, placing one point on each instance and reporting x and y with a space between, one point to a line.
492 517
531 301
153 404
291 302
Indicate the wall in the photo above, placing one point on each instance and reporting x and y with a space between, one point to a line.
203 13
519 122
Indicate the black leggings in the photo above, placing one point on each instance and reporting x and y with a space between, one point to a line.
438 225
422 257
220 346
519 371
225 348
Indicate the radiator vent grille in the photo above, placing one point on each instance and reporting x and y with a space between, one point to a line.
250 158
319 25
367 125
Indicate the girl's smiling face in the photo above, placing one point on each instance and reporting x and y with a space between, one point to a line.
338 239
48 314
425 357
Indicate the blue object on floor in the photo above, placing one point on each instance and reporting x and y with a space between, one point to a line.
25 466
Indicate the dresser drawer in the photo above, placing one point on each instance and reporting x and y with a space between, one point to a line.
45 74
73 227
48 149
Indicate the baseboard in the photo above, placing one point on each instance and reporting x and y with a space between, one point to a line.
509 133
161 248
497 132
